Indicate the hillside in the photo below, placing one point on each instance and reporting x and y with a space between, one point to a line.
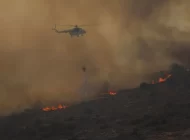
150 112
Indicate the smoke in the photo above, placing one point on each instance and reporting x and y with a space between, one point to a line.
128 40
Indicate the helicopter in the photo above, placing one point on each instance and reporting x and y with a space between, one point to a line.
75 31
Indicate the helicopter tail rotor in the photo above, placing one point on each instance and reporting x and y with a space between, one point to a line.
54 28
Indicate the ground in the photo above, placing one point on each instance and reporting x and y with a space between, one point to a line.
149 112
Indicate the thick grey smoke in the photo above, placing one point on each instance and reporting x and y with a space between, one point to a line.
129 40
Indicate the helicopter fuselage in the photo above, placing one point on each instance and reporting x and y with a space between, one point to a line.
76 32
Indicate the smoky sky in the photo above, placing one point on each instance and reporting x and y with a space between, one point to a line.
127 40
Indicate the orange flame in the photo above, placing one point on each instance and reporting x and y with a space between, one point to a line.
161 80
112 93
53 108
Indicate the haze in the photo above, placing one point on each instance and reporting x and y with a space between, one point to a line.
128 40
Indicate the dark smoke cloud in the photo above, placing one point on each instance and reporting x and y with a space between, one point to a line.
130 39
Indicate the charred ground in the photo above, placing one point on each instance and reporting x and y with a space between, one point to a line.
151 111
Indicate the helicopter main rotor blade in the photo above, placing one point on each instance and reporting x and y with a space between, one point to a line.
66 25
88 25
79 25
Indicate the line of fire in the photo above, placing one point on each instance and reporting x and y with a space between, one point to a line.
157 80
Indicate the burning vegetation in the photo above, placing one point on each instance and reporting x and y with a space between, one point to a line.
174 75
53 108
161 79
112 93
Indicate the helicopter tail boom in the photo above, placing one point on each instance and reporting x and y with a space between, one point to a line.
64 31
